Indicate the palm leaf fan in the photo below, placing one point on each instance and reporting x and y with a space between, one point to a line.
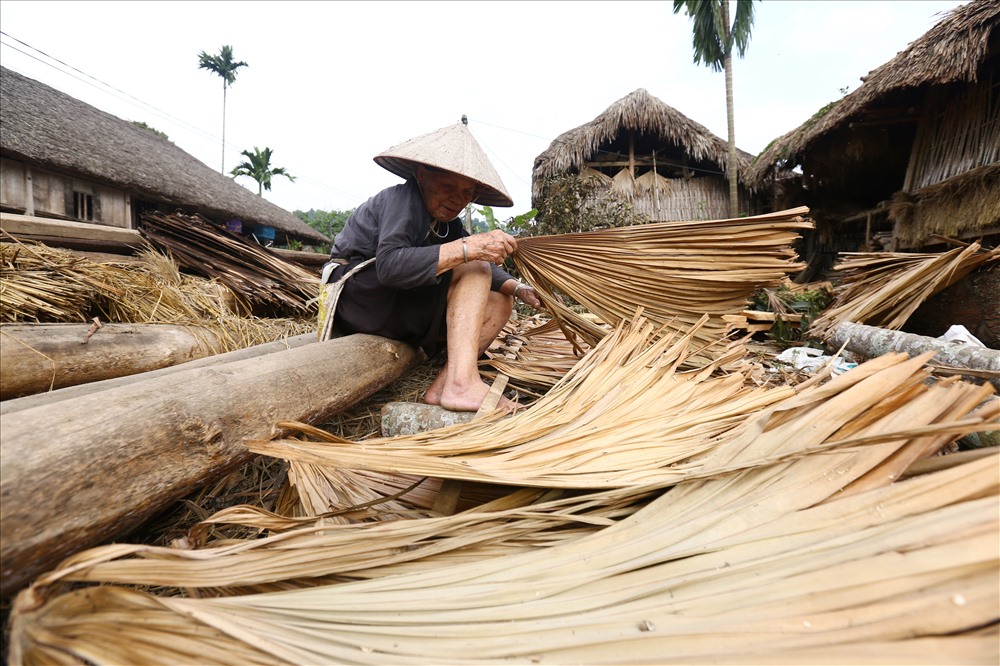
623 184
673 271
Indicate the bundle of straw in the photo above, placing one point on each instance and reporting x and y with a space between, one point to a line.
37 288
252 271
41 283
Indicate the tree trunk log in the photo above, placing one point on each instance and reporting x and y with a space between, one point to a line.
872 341
40 357
83 471
51 397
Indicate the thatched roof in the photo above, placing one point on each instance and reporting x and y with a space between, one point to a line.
951 51
51 130
642 113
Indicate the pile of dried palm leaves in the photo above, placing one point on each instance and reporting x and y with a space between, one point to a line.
252 271
42 283
699 521
884 288
655 502
674 271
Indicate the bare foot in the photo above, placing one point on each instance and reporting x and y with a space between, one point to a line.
432 396
470 399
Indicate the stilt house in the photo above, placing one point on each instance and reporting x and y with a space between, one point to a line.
908 158
668 166
64 160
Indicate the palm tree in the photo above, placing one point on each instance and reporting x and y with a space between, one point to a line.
224 66
714 39
258 166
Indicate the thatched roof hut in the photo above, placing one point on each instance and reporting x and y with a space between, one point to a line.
914 152
667 165
107 170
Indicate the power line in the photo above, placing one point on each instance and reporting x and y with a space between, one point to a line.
110 89
96 83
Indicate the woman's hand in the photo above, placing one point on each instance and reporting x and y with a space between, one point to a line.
492 246
525 292
528 295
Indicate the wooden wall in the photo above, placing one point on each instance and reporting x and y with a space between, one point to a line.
688 199
13 191
959 131
52 195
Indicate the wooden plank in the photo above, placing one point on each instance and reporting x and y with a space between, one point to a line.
24 225
308 259
760 315
492 398
451 489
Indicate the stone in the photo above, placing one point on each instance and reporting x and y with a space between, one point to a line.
410 418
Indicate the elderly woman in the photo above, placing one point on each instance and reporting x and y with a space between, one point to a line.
410 271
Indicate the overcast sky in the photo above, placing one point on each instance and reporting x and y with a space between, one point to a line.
331 84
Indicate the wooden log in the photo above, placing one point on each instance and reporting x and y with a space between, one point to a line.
872 341
42 357
51 397
86 470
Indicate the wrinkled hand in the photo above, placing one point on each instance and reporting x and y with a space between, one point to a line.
492 246
529 296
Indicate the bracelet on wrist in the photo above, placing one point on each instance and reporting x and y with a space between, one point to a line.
518 288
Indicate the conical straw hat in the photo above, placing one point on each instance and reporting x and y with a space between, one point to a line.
454 149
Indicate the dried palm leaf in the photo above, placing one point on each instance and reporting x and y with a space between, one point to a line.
594 177
534 356
652 182
674 271
884 288
307 548
623 184
625 416
758 563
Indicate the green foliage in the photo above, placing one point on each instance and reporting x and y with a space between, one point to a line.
713 36
512 224
570 204
142 125
328 223
222 64
258 166
809 303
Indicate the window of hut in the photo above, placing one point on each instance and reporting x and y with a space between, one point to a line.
83 206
